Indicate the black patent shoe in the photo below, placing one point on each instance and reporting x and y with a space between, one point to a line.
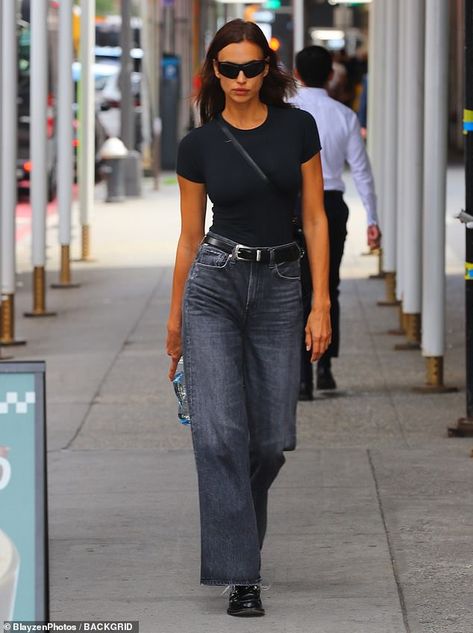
325 379
245 601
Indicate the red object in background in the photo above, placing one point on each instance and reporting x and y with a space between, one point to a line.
196 83
24 212
51 116
23 218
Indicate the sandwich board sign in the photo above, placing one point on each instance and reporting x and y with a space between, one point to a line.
23 493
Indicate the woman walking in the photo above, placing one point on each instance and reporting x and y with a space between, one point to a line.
236 313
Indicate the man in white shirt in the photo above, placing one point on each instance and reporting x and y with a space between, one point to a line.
341 142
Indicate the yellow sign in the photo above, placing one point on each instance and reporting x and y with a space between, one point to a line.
76 28
468 271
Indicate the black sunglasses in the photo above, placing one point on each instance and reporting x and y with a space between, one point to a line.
250 69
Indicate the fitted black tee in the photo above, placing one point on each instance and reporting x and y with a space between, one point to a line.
245 208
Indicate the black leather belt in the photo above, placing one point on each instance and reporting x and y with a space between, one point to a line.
289 253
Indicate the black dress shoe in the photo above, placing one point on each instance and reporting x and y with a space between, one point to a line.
306 392
325 380
245 601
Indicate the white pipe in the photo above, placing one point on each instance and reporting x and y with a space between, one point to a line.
65 163
9 151
373 76
298 21
435 152
402 141
377 101
145 81
413 153
390 137
38 129
183 38
86 111
1 136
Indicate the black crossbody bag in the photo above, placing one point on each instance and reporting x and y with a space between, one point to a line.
297 225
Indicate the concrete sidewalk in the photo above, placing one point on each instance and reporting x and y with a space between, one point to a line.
371 519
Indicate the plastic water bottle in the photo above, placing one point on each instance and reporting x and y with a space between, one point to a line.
179 383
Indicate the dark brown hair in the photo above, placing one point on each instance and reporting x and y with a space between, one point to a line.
277 85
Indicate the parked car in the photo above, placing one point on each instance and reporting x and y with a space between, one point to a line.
108 94
110 104
110 98
101 74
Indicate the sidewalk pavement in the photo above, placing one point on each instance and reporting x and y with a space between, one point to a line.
371 519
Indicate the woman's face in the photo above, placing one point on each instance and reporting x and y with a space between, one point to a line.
242 89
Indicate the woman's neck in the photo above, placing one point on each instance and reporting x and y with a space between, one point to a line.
245 116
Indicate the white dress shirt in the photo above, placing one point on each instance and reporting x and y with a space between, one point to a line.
341 141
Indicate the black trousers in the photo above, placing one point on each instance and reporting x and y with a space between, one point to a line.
337 215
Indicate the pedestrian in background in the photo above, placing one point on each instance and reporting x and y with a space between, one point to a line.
341 142
236 311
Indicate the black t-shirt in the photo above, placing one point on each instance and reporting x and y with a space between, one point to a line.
245 208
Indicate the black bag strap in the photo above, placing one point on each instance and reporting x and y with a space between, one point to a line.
242 151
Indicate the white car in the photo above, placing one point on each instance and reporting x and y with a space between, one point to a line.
110 102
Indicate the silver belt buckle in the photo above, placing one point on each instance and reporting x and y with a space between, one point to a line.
236 251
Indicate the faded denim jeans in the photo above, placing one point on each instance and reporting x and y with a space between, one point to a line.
241 344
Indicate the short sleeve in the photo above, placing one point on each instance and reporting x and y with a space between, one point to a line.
189 163
310 137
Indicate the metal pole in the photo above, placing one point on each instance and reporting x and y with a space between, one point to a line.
86 123
465 425
155 89
127 111
183 24
168 26
38 149
1 132
375 106
146 66
150 54
131 162
413 144
401 140
389 147
435 152
468 128
299 27
65 159
9 75
373 78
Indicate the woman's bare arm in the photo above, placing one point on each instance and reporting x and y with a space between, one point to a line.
315 227
193 205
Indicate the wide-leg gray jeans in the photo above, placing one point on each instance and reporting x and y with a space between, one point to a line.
241 345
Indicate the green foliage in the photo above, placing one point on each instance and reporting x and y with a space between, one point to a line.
107 7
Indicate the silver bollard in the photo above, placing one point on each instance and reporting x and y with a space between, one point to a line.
114 153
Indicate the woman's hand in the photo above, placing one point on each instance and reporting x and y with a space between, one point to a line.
318 332
173 348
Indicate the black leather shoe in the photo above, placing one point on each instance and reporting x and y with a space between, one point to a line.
325 380
306 392
245 601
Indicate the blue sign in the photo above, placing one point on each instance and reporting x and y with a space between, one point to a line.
23 503
170 67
